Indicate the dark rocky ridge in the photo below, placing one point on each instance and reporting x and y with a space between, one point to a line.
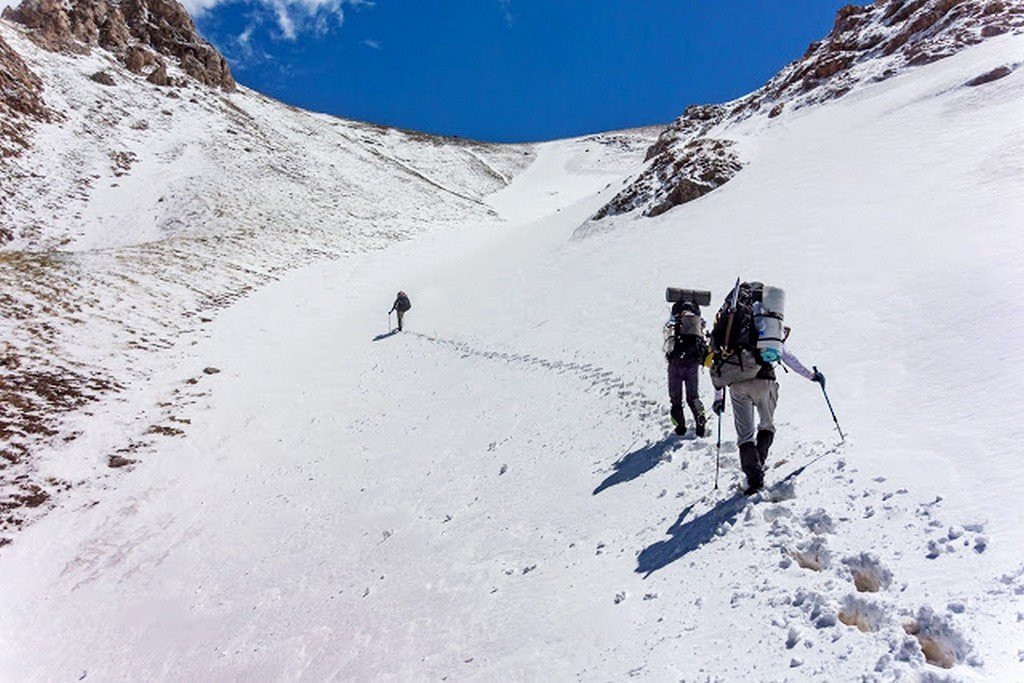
143 32
21 103
867 44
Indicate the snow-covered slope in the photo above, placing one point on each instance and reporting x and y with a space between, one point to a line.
492 495
138 211
868 44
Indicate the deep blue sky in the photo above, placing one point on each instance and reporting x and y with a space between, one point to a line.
511 70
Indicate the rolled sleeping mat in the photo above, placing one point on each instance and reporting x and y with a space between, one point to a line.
769 314
700 297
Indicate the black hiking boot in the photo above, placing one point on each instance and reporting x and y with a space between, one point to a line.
764 442
751 463
678 419
700 428
702 425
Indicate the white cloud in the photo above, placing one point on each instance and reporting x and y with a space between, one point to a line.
284 20
293 17
245 36
197 7
372 43
506 11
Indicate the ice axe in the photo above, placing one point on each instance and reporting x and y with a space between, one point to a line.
829 403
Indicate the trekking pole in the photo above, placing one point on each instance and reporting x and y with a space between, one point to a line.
718 446
829 403
718 449
389 321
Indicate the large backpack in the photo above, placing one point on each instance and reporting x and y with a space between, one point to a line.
402 303
684 335
734 354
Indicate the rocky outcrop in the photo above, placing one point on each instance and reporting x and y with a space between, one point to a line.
878 41
867 44
21 103
989 76
144 32
103 78
700 166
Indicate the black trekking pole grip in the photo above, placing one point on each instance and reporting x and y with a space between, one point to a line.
842 437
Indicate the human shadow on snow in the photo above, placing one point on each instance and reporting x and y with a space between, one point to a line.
385 335
632 465
688 536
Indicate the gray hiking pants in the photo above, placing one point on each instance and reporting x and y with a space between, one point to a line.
762 394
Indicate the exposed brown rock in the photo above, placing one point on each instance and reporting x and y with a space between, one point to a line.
21 105
127 28
988 77
676 177
776 110
103 78
137 58
159 76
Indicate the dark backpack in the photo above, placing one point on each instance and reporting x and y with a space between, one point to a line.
402 303
735 357
734 327
684 335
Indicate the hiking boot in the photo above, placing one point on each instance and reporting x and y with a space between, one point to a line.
701 426
699 418
678 419
764 442
751 463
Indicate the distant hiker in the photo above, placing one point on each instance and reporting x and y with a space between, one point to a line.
401 305
746 341
685 347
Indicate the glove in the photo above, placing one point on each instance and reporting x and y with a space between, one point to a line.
770 355
718 407
819 378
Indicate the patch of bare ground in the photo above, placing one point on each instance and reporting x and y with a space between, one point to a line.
31 402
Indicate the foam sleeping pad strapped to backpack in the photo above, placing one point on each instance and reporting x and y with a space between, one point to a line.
700 297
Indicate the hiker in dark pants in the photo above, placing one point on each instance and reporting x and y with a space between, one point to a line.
685 348
401 305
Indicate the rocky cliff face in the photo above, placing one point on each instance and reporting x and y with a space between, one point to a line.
867 44
21 104
144 33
